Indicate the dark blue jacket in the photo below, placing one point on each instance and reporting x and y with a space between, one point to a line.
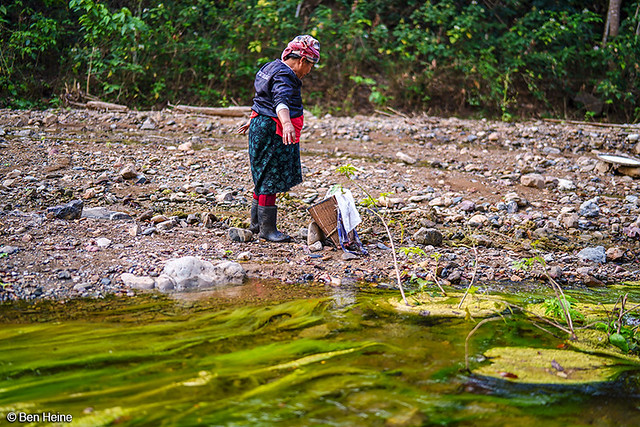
277 83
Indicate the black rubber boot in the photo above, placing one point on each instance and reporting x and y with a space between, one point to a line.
268 216
255 223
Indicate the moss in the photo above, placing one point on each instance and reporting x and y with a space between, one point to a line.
591 312
597 342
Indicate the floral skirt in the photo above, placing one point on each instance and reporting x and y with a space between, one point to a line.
275 167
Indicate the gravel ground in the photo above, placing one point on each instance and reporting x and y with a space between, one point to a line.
465 200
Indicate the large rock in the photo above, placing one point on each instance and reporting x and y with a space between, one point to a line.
193 273
165 283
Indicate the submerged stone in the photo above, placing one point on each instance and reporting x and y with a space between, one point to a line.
447 306
548 366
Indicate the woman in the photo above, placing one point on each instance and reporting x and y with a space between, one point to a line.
274 132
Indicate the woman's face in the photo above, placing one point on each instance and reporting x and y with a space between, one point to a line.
302 67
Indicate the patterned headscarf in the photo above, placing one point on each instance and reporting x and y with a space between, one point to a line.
304 46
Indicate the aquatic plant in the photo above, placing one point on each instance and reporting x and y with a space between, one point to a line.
621 334
432 275
560 296
370 202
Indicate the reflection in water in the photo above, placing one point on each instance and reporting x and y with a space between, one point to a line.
343 296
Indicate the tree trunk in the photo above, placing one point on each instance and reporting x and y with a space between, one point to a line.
612 26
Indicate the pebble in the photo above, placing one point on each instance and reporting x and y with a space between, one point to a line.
64 275
103 242
9 250
467 206
595 254
615 254
240 235
565 185
406 158
148 124
148 231
533 180
129 171
568 220
428 237
70 211
478 221
590 209
316 246
157 219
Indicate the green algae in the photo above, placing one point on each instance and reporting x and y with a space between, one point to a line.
313 361
449 306
597 342
548 366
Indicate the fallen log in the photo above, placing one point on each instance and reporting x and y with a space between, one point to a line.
99 105
212 111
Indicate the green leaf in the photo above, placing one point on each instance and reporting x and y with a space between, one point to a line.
619 341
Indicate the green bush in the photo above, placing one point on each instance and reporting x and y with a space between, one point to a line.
504 58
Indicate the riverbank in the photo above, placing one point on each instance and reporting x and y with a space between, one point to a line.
162 185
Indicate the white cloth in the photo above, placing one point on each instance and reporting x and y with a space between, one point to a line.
348 210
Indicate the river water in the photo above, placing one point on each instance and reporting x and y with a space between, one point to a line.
331 357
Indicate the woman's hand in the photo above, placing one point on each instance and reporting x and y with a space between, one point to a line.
243 129
288 134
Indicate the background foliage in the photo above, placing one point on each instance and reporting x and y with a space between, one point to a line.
492 57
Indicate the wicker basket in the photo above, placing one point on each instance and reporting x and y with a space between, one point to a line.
325 214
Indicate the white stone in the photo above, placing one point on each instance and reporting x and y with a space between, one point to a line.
190 272
103 242
165 283
478 220
314 233
137 282
566 185
405 158
316 247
